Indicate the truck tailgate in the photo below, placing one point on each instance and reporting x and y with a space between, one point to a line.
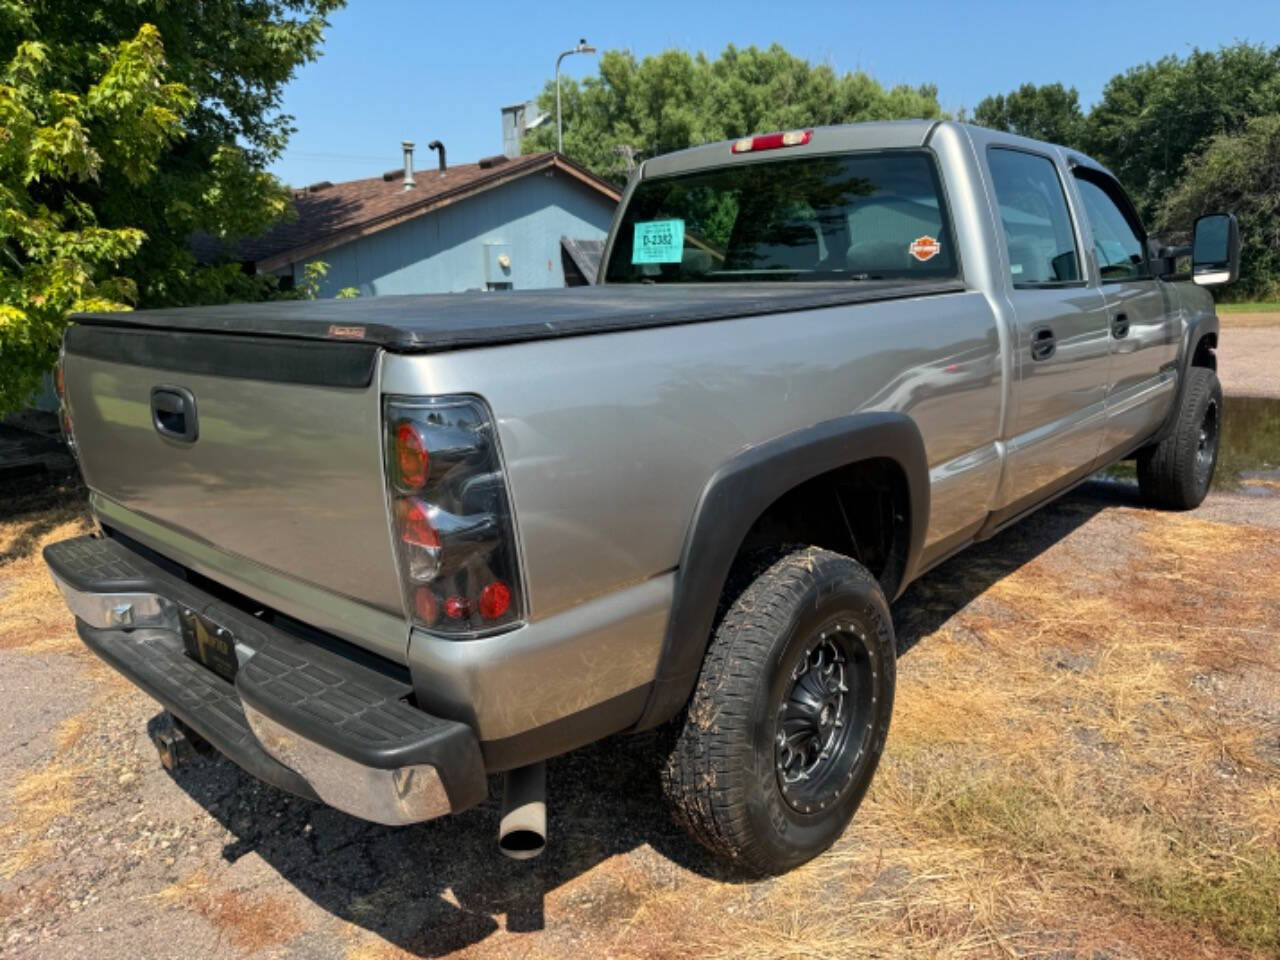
282 486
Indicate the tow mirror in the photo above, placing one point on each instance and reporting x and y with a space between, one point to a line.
1215 250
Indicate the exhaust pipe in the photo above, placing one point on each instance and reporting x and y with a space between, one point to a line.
522 831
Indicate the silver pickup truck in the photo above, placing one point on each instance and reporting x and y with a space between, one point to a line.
376 550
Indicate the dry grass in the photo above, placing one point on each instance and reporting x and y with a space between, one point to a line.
55 792
249 922
32 615
1091 748
37 800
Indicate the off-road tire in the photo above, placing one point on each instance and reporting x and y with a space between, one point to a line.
723 776
1175 474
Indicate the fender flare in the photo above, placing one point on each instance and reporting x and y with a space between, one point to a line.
1198 327
737 494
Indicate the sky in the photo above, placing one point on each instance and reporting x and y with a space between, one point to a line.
394 70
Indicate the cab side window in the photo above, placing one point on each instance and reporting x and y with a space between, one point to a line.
1117 238
1037 224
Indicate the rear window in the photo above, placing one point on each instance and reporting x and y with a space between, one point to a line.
863 216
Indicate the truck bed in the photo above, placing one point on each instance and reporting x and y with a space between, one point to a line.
436 322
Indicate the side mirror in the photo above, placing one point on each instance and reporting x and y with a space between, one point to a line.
1215 251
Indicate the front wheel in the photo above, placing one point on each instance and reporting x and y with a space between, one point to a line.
1176 473
789 717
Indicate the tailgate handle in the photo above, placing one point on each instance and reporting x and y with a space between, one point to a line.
173 413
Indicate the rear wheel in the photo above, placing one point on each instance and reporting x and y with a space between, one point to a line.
786 725
1176 473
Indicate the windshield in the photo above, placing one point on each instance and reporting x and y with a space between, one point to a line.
863 216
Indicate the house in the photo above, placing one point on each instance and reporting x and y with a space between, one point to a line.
496 224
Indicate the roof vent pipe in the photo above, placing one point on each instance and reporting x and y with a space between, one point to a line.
437 145
408 164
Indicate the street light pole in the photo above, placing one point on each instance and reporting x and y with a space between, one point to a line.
582 47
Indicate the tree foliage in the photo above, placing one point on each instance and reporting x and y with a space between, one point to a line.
127 126
1171 131
57 254
1153 117
1050 112
1238 172
632 109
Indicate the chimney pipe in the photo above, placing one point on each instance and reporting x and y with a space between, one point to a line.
408 164
437 145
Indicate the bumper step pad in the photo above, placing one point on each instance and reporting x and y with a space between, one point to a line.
338 716
156 662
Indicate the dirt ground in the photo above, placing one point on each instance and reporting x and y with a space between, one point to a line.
1084 763
1249 354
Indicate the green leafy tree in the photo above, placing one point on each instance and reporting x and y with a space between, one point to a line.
1050 112
632 109
1153 117
308 287
127 127
1238 172
57 255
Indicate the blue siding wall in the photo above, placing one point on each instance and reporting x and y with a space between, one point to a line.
444 251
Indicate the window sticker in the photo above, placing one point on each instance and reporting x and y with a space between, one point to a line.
658 241
924 248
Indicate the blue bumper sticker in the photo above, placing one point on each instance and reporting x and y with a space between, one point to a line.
658 241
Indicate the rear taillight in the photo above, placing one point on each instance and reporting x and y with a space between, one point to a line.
451 516
64 406
413 462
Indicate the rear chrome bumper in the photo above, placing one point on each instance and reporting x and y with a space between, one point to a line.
111 610
302 717
394 796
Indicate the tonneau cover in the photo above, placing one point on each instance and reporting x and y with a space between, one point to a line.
448 321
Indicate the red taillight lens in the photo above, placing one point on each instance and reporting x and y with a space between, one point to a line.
772 141
454 533
495 600
426 605
412 459
415 525
457 608
419 539
59 382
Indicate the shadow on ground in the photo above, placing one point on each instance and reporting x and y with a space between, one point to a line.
441 886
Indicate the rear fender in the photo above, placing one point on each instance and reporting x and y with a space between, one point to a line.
737 495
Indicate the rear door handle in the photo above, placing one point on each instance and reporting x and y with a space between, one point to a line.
1043 344
173 413
1120 326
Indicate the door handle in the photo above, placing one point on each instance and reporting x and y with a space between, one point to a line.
1120 326
173 413
1043 344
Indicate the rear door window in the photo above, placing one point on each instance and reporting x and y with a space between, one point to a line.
1037 224
850 217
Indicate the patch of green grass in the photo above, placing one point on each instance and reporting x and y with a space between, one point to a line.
1202 881
1122 470
1238 897
1257 306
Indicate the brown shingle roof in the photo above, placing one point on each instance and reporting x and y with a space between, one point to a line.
333 215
